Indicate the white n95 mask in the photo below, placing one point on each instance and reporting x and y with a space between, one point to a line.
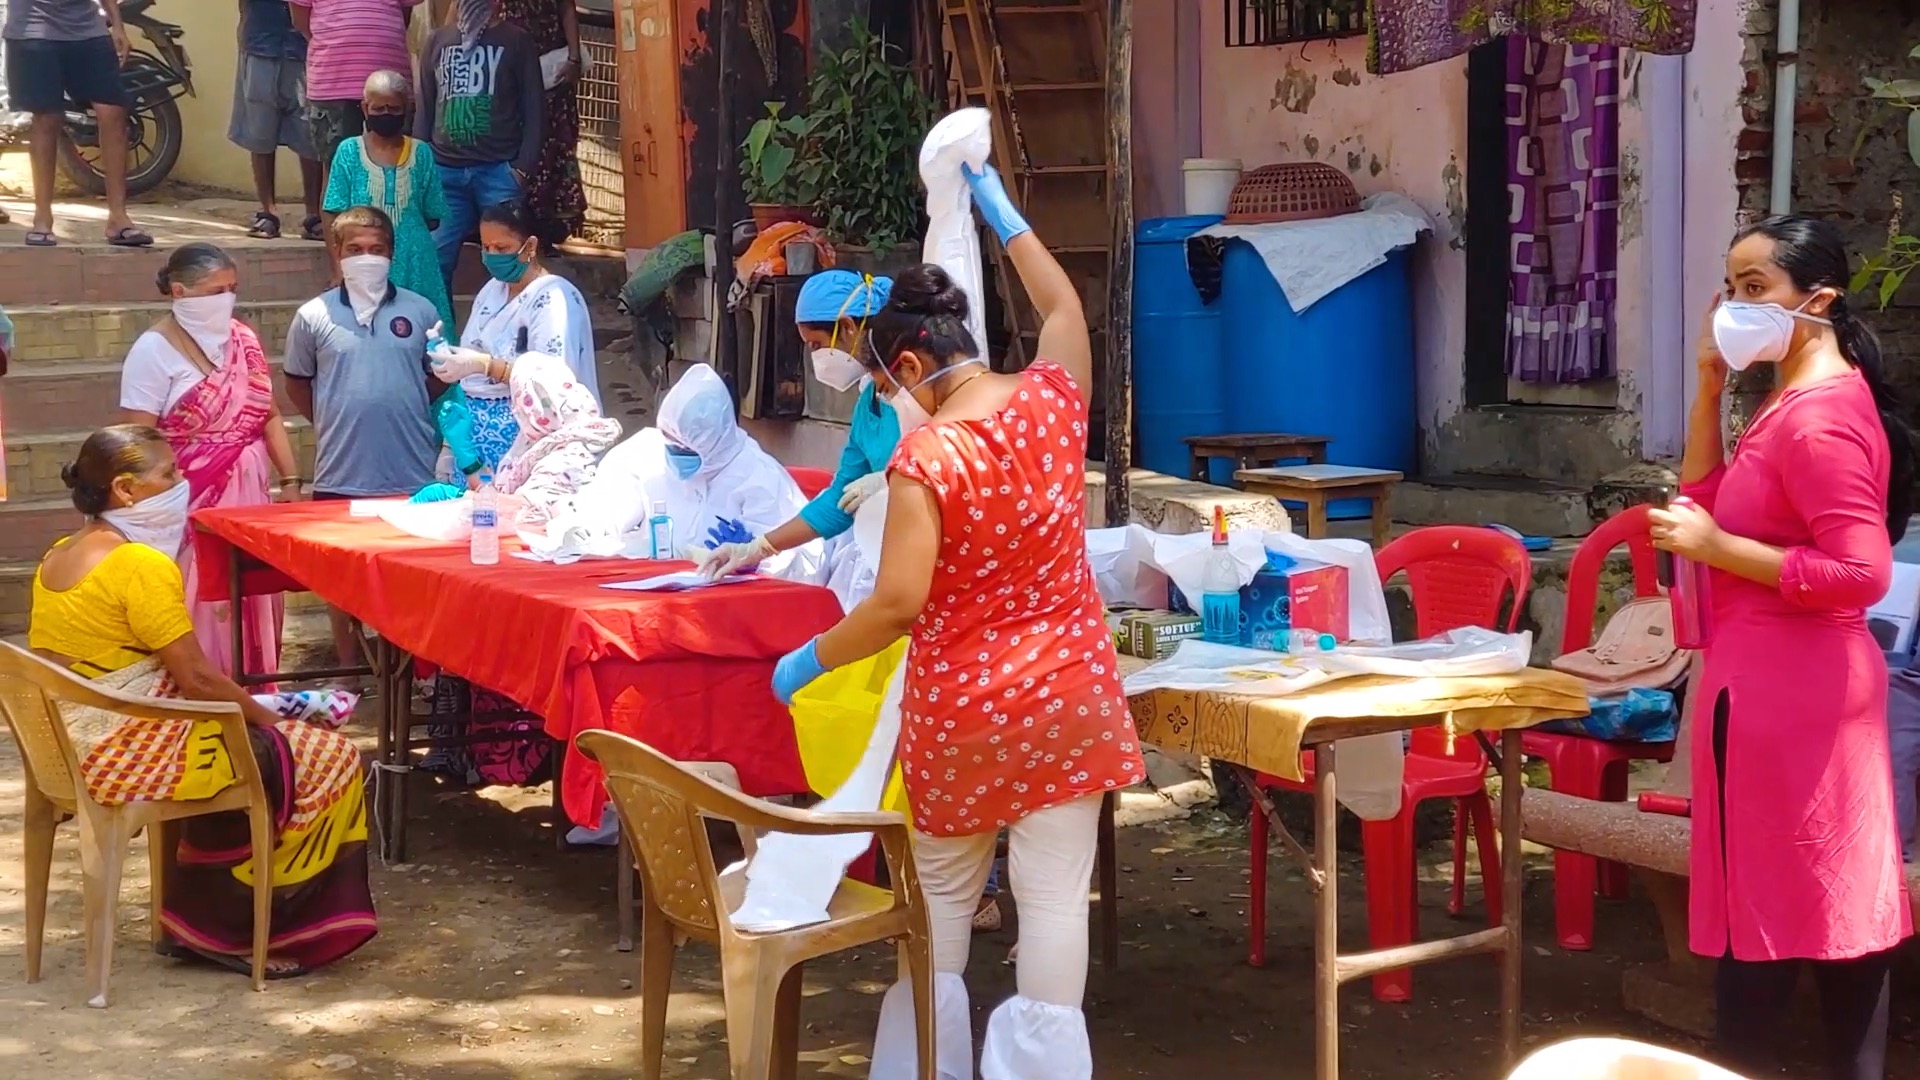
836 368
1747 334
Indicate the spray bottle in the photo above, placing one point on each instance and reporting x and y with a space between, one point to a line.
1220 589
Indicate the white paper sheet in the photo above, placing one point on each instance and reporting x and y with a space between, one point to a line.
678 581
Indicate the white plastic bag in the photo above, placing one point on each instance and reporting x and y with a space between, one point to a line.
1469 650
1123 568
791 878
953 241
1367 621
450 521
1184 557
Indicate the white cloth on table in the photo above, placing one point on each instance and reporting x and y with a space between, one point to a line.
1310 259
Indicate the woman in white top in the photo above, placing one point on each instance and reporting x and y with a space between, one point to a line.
525 308
201 377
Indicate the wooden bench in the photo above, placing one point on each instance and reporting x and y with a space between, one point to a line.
1254 451
1313 485
1655 845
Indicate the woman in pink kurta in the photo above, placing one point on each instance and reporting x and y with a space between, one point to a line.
1796 855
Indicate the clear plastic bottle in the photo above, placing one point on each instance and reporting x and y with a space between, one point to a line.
1220 589
1307 641
483 549
435 342
660 532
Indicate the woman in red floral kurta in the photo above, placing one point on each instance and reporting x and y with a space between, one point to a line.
1012 714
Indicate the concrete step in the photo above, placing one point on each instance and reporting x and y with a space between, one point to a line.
99 332
95 273
34 462
28 526
1534 507
16 597
69 394
1561 443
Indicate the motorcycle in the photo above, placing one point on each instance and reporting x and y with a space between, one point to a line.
155 81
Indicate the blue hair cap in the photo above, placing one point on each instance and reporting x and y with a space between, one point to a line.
830 294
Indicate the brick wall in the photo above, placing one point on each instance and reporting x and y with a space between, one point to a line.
1850 151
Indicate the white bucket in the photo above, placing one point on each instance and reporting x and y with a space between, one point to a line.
1209 183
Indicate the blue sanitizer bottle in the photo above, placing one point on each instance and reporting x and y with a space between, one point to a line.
660 533
1220 589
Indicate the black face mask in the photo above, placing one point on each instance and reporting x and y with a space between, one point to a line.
386 125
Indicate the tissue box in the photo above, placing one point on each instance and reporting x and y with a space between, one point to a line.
1305 595
1153 635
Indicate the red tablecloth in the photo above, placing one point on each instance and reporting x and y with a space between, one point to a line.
687 672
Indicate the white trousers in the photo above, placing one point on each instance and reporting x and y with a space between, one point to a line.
1041 1032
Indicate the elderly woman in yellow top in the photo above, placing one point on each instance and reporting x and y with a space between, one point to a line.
109 603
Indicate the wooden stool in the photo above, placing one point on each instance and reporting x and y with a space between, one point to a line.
1315 484
1254 451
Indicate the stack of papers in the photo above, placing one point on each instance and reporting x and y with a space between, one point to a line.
676 582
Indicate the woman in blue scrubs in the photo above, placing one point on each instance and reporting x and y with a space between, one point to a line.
832 315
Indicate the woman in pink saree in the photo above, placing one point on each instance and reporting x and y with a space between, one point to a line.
201 377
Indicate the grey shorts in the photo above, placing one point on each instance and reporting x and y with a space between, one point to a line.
269 106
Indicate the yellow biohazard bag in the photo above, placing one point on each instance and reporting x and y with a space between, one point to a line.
833 718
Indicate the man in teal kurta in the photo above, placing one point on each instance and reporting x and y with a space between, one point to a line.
832 315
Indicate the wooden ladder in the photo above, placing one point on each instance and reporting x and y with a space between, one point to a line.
1040 69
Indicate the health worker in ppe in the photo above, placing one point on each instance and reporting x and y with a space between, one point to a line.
832 314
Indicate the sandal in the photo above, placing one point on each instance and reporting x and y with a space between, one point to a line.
987 919
265 226
130 236
240 964
313 228
42 238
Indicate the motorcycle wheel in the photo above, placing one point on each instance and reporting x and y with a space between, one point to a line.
154 136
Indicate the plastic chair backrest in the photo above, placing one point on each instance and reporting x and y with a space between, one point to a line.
1629 527
1458 575
31 692
812 481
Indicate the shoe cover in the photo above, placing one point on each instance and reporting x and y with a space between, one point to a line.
895 1051
1032 1040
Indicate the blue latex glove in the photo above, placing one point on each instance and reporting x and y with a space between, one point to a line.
434 493
454 417
795 670
990 195
728 531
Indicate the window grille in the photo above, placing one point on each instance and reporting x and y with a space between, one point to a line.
1280 22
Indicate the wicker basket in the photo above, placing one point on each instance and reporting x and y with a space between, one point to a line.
1294 191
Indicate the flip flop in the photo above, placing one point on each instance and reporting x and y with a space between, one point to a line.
1530 543
42 238
313 228
129 237
265 226
238 964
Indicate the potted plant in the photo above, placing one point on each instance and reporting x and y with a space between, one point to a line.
866 116
776 189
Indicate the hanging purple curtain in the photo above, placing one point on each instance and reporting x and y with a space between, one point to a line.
1404 34
1563 183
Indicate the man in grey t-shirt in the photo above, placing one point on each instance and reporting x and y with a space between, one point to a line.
356 366
67 49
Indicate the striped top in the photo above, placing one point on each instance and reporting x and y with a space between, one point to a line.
349 40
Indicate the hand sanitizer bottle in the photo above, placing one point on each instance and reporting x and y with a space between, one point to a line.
660 532
1220 589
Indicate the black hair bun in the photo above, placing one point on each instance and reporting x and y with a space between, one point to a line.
70 476
927 290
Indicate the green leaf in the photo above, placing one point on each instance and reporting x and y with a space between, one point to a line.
1913 136
774 164
1915 54
1896 89
1890 283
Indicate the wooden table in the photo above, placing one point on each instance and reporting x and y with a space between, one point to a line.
1254 451
1313 485
1252 734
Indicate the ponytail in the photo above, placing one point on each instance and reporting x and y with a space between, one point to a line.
1861 346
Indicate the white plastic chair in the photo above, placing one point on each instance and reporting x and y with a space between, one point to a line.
1615 1059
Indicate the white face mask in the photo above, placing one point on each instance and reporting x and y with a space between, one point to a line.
366 279
836 368
158 521
1747 334
208 320
912 414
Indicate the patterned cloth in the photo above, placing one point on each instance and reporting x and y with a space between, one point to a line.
411 195
562 435
1563 176
1012 701
1410 33
554 192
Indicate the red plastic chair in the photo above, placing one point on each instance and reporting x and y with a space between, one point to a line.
1458 576
1586 767
812 481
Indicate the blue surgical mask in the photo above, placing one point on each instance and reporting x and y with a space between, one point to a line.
504 265
685 463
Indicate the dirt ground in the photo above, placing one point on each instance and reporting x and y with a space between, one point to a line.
496 959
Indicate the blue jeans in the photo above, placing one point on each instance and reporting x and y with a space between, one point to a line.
469 190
